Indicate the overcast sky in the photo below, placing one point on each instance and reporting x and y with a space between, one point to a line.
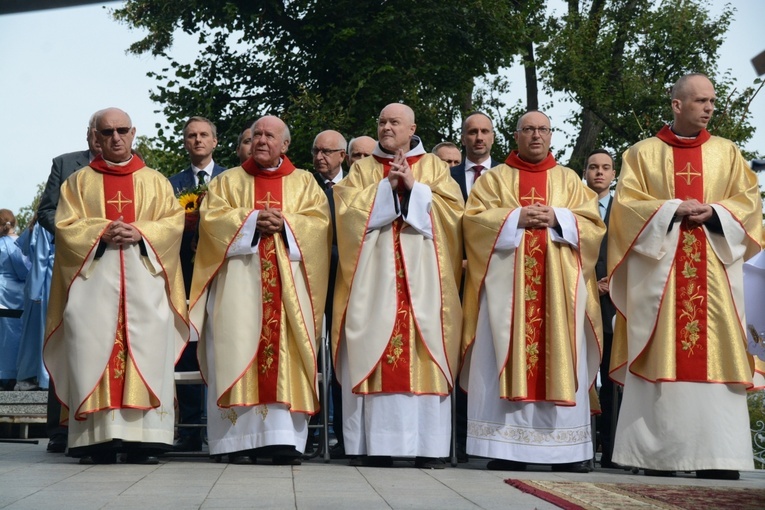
59 66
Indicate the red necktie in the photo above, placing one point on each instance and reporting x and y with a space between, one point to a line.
477 169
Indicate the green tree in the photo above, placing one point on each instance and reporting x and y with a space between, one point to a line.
324 63
333 64
168 162
618 60
26 213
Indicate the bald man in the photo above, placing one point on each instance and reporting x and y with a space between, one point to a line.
397 312
257 300
532 320
686 215
328 153
360 147
117 310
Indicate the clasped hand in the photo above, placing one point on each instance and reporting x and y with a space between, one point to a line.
537 216
400 172
119 233
696 212
270 221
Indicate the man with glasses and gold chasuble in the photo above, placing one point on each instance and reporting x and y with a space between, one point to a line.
531 314
116 318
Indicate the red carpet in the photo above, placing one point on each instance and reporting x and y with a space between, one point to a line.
625 496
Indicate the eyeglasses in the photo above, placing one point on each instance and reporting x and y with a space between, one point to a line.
122 131
528 130
326 152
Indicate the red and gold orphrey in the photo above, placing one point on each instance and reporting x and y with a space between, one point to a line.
118 203
268 194
690 272
532 189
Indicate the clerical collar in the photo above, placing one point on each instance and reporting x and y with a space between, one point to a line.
121 163
683 137
514 161
669 137
273 168
415 149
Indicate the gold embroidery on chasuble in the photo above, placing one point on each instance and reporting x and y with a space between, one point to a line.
532 189
690 273
259 383
406 365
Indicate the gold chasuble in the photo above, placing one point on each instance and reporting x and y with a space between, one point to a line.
686 322
542 295
396 294
102 349
260 311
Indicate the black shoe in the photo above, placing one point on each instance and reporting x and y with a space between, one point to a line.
659 472
505 465
56 445
337 452
609 464
572 467
429 463
241 458
718 474
100 458
188 444
141 458
382 461
285 460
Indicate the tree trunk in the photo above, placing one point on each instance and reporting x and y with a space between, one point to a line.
530 70
586 141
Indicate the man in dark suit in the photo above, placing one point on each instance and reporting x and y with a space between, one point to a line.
200 138
328 154
63 166
478 138
599 172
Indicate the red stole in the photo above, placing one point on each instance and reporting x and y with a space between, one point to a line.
396 361
690 261
118 187
532 189
119 202
268 195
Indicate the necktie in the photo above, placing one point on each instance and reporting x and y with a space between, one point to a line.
329 184
201 175
477 169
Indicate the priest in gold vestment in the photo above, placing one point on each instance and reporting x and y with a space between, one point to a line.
686 215
257 300
397 311
531 313
117 314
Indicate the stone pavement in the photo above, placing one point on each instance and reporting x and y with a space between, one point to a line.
31 478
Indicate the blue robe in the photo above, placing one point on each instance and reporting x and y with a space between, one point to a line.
13 272
37 246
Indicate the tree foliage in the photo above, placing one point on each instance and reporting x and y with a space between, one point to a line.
618 60
323 64
26 213
333 64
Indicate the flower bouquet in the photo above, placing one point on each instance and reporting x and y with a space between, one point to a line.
190 199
